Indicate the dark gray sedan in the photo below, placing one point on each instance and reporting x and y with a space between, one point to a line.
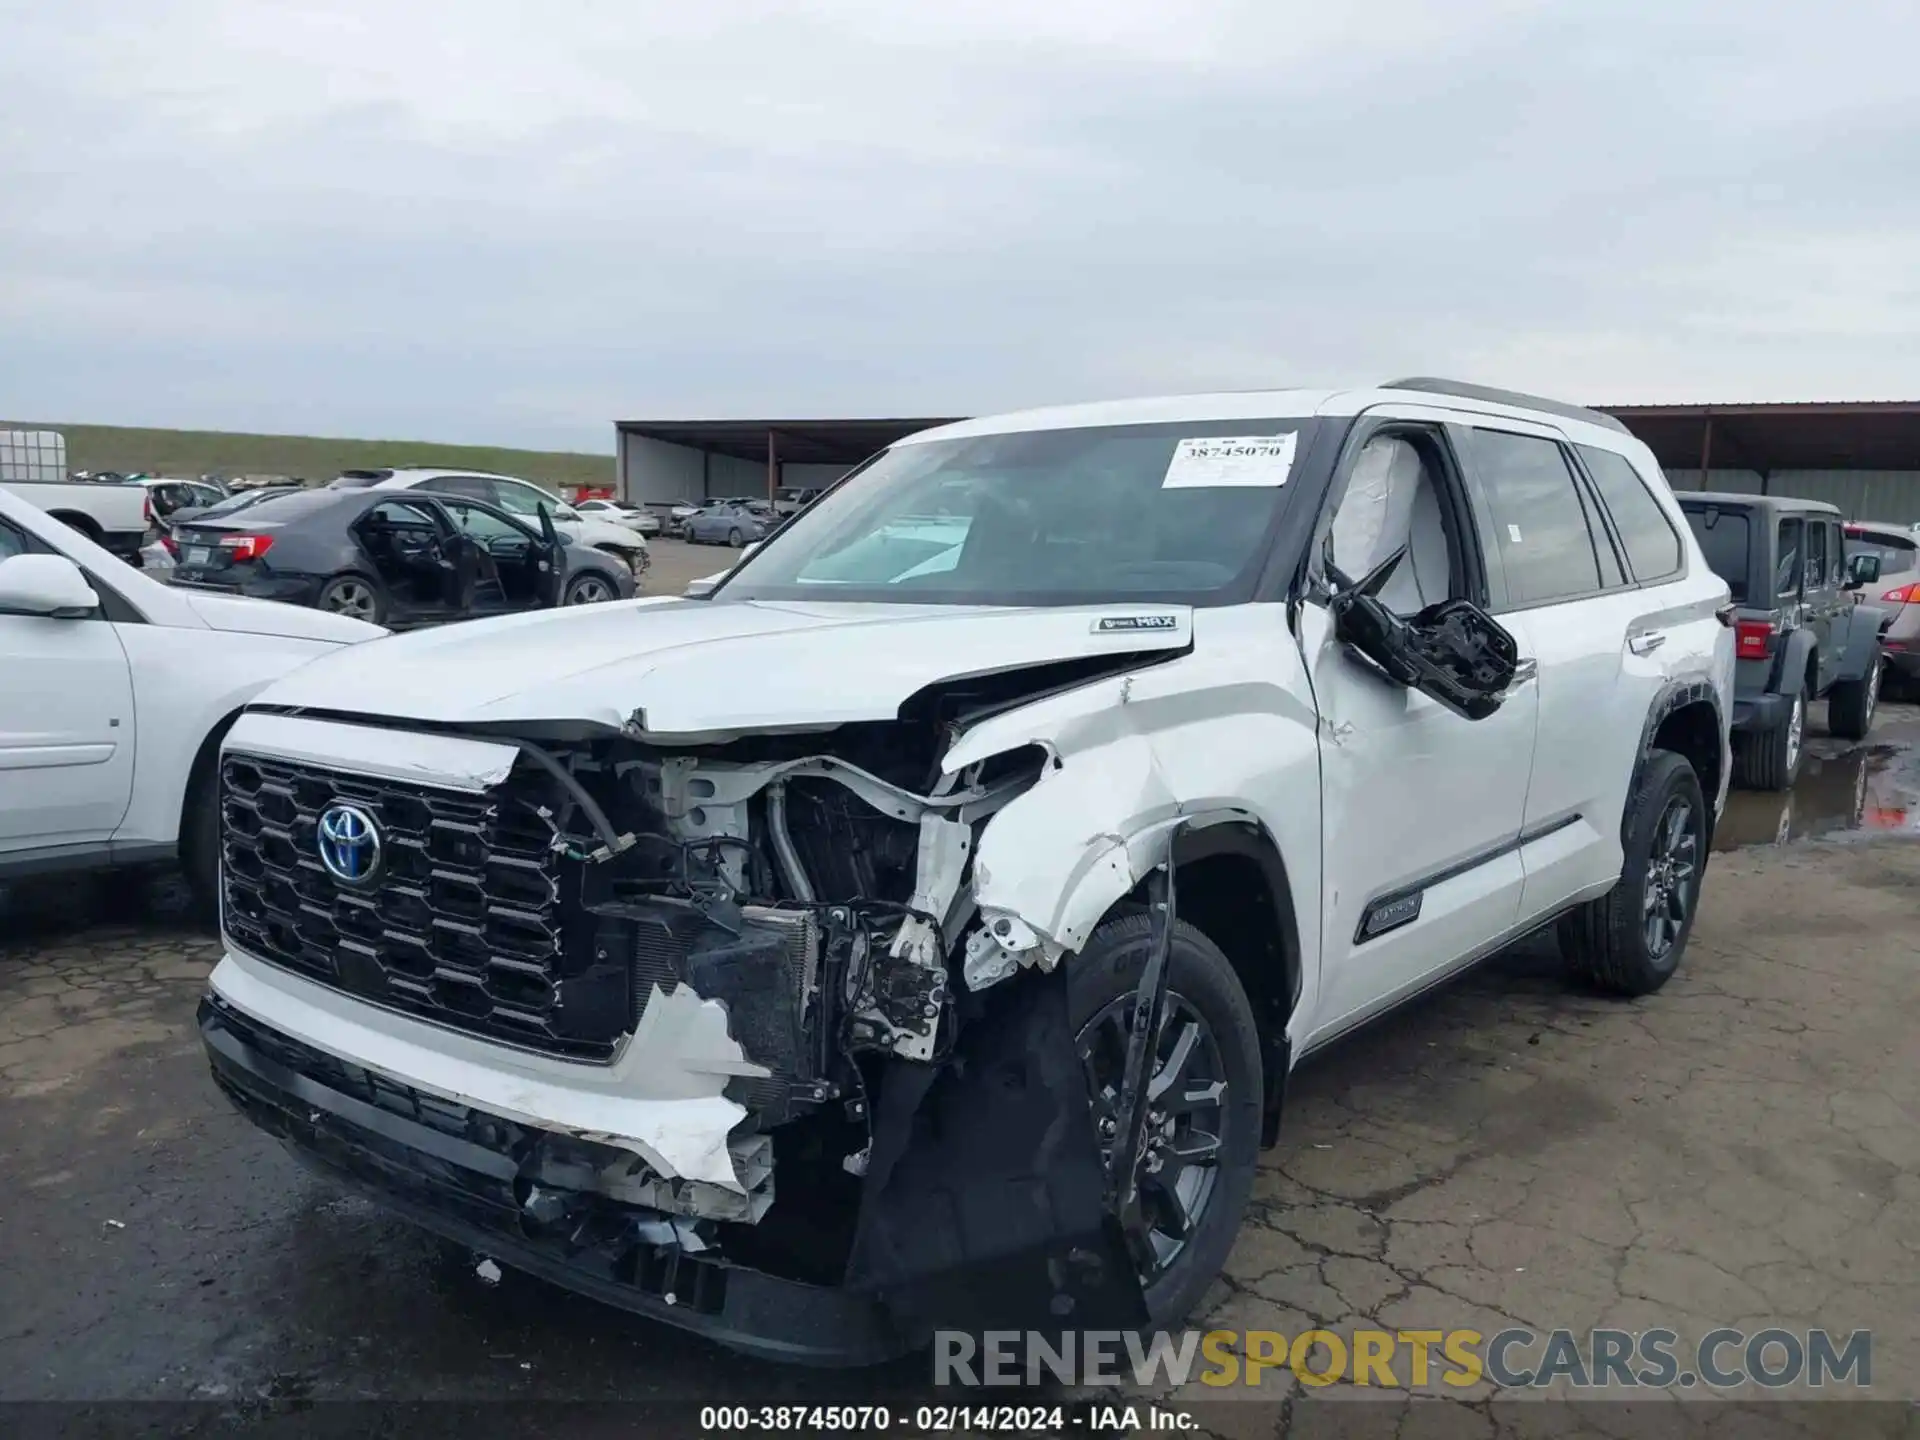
396 558
731 524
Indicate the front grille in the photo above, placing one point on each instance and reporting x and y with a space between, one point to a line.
464 925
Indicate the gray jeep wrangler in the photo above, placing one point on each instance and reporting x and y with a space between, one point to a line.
1799 635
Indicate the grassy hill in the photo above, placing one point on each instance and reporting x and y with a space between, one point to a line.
314 458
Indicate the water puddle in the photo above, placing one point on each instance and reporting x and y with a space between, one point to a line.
1869 788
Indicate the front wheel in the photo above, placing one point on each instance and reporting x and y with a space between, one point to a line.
588 589
1850 704
200 836
1204 1097
354 596
1770 760
1630 940
735 539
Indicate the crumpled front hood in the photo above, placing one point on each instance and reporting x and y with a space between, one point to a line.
269 617
696 667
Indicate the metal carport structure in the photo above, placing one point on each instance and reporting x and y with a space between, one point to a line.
1863 456
696 459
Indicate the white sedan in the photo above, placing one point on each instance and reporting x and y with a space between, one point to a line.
115 692
619 512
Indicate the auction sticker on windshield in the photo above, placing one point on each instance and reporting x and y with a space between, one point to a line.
1220 461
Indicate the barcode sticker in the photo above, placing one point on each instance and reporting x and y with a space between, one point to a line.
1229 461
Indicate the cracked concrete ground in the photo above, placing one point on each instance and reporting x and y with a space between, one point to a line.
1739 1150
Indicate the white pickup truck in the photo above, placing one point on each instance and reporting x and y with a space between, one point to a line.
117 518
115 692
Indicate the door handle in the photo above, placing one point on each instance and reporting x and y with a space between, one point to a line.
1646 643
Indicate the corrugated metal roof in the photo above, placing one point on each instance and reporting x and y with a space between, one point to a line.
1764 437
1761 436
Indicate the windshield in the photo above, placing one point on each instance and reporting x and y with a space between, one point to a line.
292 505
1179 512
1723 540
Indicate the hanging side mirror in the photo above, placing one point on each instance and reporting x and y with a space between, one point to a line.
1452 651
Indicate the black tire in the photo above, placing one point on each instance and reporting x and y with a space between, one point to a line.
1771 759
80 525
1851 703
1608 939
735 539
1201 978
200 834
342 596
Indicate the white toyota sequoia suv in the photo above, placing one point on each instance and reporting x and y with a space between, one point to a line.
918 929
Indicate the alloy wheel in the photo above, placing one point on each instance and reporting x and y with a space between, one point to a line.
353 598
1186 1111
1672 870
589 590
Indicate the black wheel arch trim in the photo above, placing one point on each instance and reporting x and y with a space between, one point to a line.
1863 643
1251 840
1676 695
1792 661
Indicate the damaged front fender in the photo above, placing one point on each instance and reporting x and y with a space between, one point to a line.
1094 825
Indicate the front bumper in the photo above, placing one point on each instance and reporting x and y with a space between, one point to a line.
460 1172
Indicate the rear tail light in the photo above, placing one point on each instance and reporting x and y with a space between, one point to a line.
167 544
1752 639
1903 594
146 507
246 547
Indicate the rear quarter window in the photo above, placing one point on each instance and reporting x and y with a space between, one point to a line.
1653 549
1724 537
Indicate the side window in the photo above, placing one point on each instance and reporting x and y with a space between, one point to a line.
399 515
1393 501
1652 545
1816 555
1786 567
1546 550
524 500
12 542
471 486
484 526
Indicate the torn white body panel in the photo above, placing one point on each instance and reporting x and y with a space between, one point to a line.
674 1117
1194 742
678 665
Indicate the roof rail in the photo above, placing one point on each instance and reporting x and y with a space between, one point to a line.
1465 391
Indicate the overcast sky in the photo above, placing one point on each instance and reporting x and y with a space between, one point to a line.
510 222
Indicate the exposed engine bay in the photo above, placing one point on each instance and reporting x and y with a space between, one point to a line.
816 894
